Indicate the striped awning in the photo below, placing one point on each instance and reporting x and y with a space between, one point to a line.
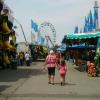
82 35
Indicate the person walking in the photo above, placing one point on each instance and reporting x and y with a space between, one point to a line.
63 68
58 56
21 58
50 63
27 58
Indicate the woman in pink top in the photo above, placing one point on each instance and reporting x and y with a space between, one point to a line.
50 63
63 70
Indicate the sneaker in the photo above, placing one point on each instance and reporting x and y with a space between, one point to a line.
52 83
49 82
61 83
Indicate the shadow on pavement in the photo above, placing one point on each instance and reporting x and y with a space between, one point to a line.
9 75
79 69
3 87
69 84
39 60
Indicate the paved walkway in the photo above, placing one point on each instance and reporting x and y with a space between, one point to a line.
31 83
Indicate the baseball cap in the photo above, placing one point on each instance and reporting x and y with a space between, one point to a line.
51 51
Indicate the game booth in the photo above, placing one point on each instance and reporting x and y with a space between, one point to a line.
38 51
81 48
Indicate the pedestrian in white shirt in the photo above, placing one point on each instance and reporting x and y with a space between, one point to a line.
27 58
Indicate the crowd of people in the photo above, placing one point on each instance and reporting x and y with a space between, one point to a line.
56 60
23 58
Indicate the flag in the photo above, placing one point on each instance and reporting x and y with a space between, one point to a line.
34 29
34 26
40 40
76 29
84 29
86 26
95 14
33 37
90 27
95 18
80 30
94 24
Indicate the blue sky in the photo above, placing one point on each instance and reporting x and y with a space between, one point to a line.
63 14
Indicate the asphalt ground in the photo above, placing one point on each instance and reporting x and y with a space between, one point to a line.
31 83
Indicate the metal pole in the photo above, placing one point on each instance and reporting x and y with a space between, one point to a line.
96 8
21 29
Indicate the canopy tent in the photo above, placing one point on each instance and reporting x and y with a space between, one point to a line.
82 47
82 35
61 49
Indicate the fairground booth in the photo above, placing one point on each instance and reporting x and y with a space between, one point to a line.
81 47
38 51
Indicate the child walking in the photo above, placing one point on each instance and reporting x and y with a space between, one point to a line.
63 68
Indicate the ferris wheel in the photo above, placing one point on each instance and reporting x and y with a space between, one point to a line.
48 31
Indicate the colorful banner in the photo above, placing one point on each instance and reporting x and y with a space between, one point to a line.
34 26
34 31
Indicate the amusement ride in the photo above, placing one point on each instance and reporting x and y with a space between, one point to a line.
48 31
